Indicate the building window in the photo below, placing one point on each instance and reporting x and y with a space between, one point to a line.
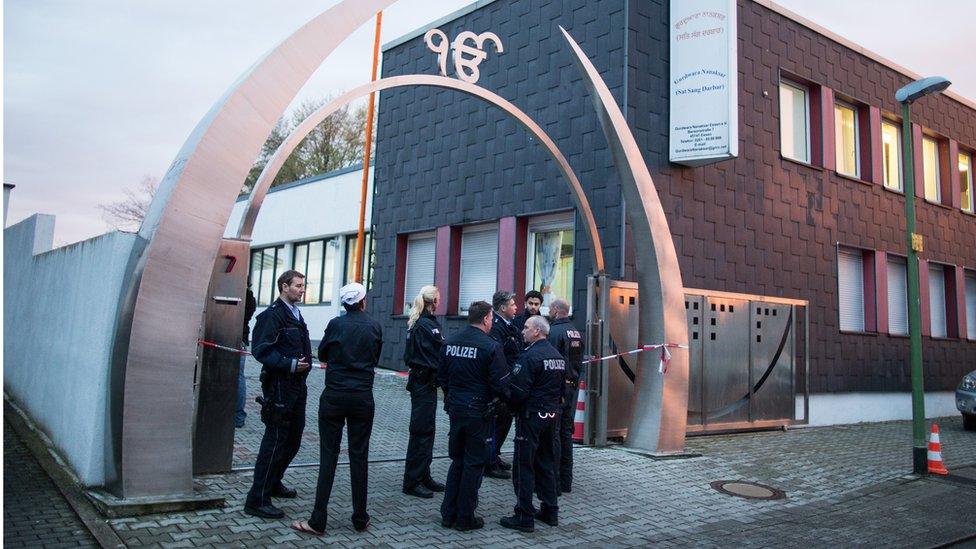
845 139
479 265
266 265
891 155
317 261
421 251
794 121
551 250
850 290
930 169
369 259
937 301
971 305
897 295
966 182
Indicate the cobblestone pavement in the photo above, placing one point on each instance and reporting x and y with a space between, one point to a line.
389 439
35 514
844 485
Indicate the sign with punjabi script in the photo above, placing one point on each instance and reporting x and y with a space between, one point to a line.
704 82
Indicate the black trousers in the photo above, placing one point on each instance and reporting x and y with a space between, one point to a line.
420 447
335 410
533 469
468 448
282 438
564 457
501 425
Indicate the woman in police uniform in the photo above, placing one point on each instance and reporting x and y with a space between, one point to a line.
422 356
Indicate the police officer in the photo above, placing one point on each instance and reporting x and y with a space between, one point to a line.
536 387
422 356
567 340
504 332
351 348
533 302
282 346
472 374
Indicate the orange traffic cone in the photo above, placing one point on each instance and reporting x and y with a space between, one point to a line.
580 413
936 467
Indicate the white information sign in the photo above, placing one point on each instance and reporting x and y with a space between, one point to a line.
704 82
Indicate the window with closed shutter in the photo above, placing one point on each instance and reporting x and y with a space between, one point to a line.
850 285
937 300
479 265
420 267
971 305
897 296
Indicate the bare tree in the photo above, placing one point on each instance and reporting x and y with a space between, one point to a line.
127 214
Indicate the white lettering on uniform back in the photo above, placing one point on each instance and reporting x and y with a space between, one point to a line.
461 351
554 364
573 333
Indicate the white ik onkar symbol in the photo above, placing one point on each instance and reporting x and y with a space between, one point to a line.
467 56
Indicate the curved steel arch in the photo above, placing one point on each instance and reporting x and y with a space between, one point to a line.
288 146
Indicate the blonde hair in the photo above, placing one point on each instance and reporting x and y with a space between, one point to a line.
426 297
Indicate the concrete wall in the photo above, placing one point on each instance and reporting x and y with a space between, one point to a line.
844 408
318 207
59 320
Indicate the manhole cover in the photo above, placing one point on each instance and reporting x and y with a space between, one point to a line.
747 490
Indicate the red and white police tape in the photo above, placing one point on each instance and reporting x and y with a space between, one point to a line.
320 366
665 354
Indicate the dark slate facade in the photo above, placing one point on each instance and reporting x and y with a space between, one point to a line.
758 224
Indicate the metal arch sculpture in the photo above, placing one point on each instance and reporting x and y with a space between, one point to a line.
299 133
167 275
660 401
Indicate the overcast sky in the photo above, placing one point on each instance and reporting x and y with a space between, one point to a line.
98 94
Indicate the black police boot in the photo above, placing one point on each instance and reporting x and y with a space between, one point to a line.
433 485
501 463
361 525
566 488
265 511
285 492
476 524
548 516
514 523
447 523
495 471
419 491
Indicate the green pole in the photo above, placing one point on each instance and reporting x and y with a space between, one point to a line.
919 447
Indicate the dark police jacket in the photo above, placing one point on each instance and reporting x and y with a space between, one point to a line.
280 340
472 372
569 342
519 320
351 348
422 353
538 378
508 335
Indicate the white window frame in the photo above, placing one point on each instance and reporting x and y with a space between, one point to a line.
793 86
411 287
542 224
938 171
937 301
972 193
899 177
468 295
897 276
857 140
851 301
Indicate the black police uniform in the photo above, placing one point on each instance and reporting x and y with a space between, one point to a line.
519 320
351 349
569 342
536 386
280 341
422 356
510 337
472 374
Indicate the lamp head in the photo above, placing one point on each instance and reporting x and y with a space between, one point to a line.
921 88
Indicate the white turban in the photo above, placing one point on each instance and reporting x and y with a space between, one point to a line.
352 293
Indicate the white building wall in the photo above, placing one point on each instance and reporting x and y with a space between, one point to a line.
845 408
59 319
310 210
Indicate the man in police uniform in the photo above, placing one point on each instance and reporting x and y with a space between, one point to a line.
472 374
569 342
533 302
536 387
504 332
282 346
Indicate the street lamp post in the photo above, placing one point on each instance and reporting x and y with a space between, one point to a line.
906 96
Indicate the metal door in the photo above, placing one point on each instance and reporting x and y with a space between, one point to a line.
695 309
772 350
726 375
